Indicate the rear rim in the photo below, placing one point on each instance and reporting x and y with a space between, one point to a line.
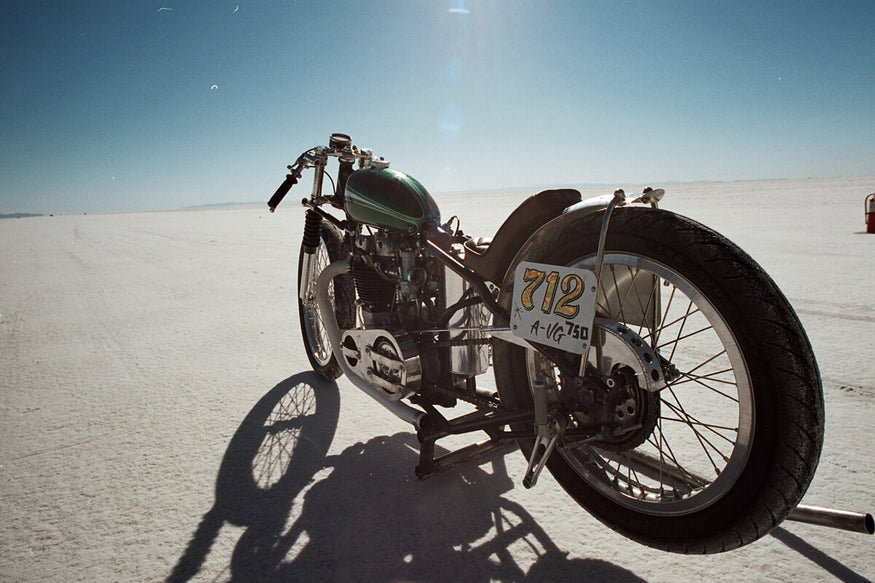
703 435
317 335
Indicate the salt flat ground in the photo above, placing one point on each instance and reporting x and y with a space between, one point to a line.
151 381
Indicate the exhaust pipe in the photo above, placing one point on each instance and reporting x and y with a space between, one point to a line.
841 519
852 521
326 311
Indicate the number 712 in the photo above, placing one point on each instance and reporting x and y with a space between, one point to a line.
571 287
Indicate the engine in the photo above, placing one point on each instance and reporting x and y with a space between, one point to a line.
404 295
395 281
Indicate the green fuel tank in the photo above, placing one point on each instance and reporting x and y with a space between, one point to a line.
390 199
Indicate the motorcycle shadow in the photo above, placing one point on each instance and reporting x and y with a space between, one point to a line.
361 515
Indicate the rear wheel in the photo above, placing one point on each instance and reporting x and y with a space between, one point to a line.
316 342
724 452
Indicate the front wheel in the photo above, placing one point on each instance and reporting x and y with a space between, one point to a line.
316 342
726 450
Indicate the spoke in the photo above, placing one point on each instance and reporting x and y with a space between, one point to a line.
709 387
662 326
689 479
708 377
630 472
604 309
692 423
684 337
651 297
703 363
680 330
633 286
633 274
699 379
659 449
715 428
673 322
662 443
605 306
651 306
620 303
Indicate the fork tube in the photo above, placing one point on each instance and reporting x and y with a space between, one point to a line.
319 166
309 245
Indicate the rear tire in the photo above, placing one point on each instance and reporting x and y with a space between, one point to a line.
316 343
739 429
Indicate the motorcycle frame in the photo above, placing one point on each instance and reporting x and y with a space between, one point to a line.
534 218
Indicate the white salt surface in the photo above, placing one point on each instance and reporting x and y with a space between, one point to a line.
151 370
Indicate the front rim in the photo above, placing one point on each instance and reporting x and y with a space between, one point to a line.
702 438
311 318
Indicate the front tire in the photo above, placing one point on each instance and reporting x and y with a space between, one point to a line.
738 429
316 342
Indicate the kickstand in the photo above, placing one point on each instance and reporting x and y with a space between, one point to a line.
428 464
548 435
434 426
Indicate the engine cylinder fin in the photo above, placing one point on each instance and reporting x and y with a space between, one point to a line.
372 289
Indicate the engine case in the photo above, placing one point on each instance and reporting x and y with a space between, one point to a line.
386 359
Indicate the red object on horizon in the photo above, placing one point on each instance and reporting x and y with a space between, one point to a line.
870 213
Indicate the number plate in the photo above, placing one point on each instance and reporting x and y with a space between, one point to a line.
553 305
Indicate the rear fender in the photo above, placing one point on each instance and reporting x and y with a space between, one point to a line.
533 214
624 282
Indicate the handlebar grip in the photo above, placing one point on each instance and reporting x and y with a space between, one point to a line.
282 191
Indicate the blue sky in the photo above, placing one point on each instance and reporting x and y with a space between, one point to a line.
138 105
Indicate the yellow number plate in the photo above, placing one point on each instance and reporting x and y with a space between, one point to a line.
553 305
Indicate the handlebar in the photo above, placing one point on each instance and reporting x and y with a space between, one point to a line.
340 146
282 191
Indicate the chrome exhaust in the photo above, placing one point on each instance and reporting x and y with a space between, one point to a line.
852 521
326 311
841 519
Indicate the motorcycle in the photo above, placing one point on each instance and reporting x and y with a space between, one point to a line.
648 363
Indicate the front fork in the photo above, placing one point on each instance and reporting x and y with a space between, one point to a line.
309 246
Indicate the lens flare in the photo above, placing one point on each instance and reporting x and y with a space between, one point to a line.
459 8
